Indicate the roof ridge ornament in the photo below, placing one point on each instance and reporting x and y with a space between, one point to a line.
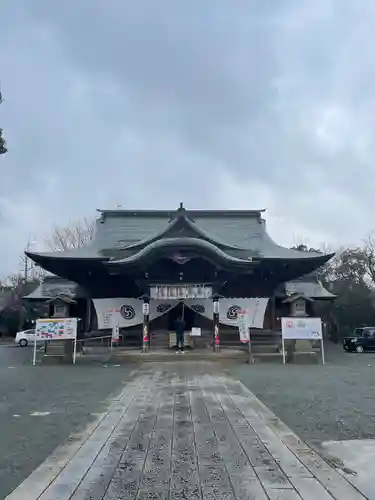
180 213
181 209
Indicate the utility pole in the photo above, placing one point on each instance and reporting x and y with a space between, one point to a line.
26 269
26 260
3 148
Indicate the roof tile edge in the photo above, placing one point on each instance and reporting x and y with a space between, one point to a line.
172 213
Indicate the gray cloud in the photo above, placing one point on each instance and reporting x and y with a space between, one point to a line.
144 104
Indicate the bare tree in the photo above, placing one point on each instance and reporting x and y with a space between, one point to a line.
369 257
3 148
304 248
75 235
34 274
30 271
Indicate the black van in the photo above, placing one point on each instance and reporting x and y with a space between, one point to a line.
363 339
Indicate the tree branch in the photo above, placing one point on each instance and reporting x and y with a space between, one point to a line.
75 235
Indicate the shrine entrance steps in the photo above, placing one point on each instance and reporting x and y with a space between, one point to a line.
170 355
262 341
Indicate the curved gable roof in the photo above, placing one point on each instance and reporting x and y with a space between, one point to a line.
180 227
232 231
185 242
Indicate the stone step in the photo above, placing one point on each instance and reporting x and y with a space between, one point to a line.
171 355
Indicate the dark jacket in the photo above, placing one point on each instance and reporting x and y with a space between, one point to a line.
180 325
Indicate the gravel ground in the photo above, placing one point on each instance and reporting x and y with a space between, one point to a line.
320 403
71 395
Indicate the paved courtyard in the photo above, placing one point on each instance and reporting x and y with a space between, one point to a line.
42 406
320 403
186 431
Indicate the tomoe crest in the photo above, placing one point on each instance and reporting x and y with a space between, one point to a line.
198 308
162 308
127 312
233 311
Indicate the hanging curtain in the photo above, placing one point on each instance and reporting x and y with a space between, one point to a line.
229 308
128 311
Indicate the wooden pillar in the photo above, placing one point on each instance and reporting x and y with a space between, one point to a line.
146 323
88 314
273 313
216 333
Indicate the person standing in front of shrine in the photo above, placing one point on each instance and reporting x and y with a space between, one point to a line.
180 333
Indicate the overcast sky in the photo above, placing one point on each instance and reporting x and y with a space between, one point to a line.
219 104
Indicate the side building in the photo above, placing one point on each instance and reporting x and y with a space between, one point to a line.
178 261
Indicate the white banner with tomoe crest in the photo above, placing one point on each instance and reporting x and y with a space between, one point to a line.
230 307
129 311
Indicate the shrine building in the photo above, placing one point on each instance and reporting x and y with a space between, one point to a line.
197 263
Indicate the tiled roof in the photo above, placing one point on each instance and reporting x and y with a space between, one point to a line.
53 286
307 285
313 290
242 230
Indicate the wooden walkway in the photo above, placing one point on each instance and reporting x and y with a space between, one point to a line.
177 434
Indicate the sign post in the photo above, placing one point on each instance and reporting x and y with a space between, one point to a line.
115 338
216 322
34 354
302 329
322 350
244 331
283 348
146 323
74 350
113 320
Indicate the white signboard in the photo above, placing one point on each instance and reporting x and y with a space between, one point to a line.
56 328
244 324
196 332
243 327
115 334
145 308
216 306
301 328
177 292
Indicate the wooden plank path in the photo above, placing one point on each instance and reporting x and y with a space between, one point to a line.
175 434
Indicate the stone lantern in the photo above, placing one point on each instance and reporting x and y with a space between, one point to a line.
297 305
61 309
297 309
61 306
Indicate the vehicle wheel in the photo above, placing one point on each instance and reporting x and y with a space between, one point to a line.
359 348
23 342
